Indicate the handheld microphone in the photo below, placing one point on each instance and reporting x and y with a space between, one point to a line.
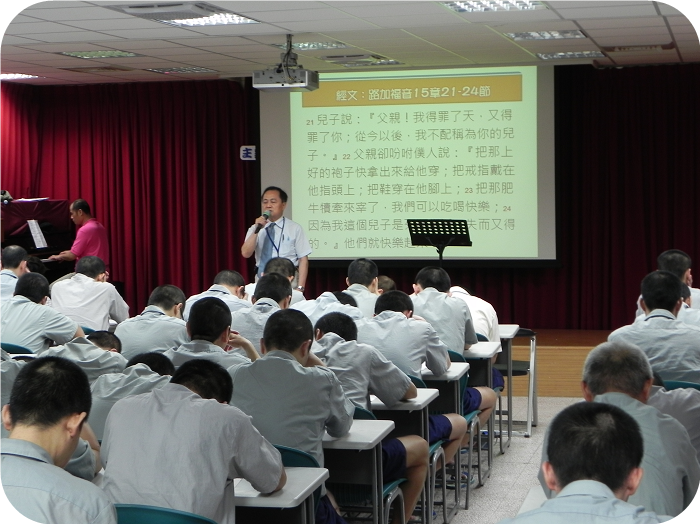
265 214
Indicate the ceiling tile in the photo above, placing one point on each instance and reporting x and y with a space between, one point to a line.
75 36
328 25
84 12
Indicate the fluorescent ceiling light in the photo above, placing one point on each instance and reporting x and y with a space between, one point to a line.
546 35
218 19
169 70
313 46
571 54
97 69
15 76
480 6
107 53
361 63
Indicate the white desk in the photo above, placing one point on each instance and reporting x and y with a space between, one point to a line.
411 417
507 333
356 458
485 351
296 493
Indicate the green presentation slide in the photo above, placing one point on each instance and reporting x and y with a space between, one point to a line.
371 150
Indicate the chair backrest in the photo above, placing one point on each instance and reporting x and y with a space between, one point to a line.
456 357
127 513
363 413
291 457
672 385
417 381
481 337
15 349
87 331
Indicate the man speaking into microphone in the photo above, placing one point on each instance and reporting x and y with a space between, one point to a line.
274 235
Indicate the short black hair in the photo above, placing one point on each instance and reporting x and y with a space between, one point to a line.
594 441
675 261
90 265
685 291
283 194
81 205
338 323
33 286
156 361
229 278
661 289
35 265
166 296
46 390
433 277
394 300
287 330
206 378
345 298
362 271
105 340
385 283
12 256
280 265
209 317
273 286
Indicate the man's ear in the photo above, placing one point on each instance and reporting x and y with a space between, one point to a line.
550 477
305 347
43 301
417 288
587 394
319 334
631 483
74 424
263 350
644 307
6 419
286 302
347 281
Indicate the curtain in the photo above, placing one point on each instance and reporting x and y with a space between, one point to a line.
18 129
159 164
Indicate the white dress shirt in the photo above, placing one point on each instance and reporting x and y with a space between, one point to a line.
484 317
89 302
292 245
324 304
363 297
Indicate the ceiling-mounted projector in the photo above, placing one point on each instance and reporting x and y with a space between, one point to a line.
296 79
287 75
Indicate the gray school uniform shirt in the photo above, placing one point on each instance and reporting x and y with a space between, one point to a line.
408 343
324 304
250 322
93 360
220 292
110 388
290 404
449 316
199 349
363 297
671 470
151 331
672 346
362 370
46 493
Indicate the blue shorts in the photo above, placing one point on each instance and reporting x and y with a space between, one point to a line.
325 512
393 460
497 378
440 428
472 400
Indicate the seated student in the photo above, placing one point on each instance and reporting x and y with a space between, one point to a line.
25 320
408 343
282 266
290 397
14 266
484 316
672 346
619 374
182 445
49 403
687 314
448 315
273 292
97 354
229 286
595 452
209 328
159 327
679 264
385 284
87 297
362 284
143 373
363 370
329 302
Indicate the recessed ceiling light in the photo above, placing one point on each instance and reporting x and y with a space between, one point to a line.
184 14
642 47
480 6
546 35
571 54
218 19
107 53
16 76
169 70
361 63
97 69
313 46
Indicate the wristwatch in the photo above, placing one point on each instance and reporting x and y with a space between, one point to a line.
300 288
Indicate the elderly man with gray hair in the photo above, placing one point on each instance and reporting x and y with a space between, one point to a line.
619 374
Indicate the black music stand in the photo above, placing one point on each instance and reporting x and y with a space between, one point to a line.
439 233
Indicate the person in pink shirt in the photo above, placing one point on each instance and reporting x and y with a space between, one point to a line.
90 239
